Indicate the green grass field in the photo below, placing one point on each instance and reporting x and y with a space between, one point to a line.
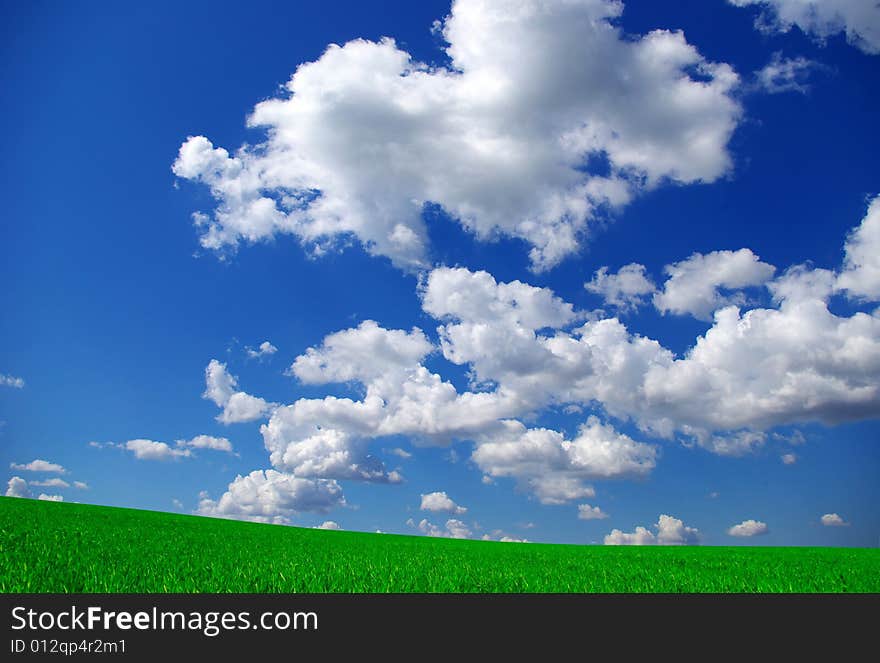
57 547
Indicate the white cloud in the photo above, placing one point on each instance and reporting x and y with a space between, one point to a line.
670 532
859 19
50 498
207 442
454 529
625 290
329 524
11 381
400 453
556 469
833 520
151 450
861 268
587 512
265 349
504 131
440 502
177 504
785 74
80 485
238 406
39 465
789 458
54 482
694 285
365 353
749 528
271 496
17 487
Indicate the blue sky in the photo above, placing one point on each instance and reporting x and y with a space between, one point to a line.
474 176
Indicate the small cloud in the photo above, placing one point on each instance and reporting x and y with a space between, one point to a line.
400 453
54 482
50 498
833 520
487 480
788 459
328 524
80 485
39 465
207 442
785 74
587 512
150 450
714 495
11 381
264 350
440 502
749 528
177 504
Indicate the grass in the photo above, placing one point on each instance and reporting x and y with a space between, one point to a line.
58 547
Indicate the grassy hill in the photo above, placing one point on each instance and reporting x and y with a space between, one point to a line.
58 547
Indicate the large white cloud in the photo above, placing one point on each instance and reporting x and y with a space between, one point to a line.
365 136
859 19
238 406
17 487
525 350
694 285
861 269
272 496
556 469
670 532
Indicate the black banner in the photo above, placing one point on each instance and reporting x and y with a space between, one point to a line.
150 626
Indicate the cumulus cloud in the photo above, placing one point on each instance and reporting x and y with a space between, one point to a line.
860 276
50 498
788 459
524 350
859 19
238 406
587 512
265 349
39 465
328 524
785 74
555 469
151 450
80 485
830 520
206 442
670 532
695 285
625 290
17 487
749 528
11 381
454 529
272 497
505 132
440 502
